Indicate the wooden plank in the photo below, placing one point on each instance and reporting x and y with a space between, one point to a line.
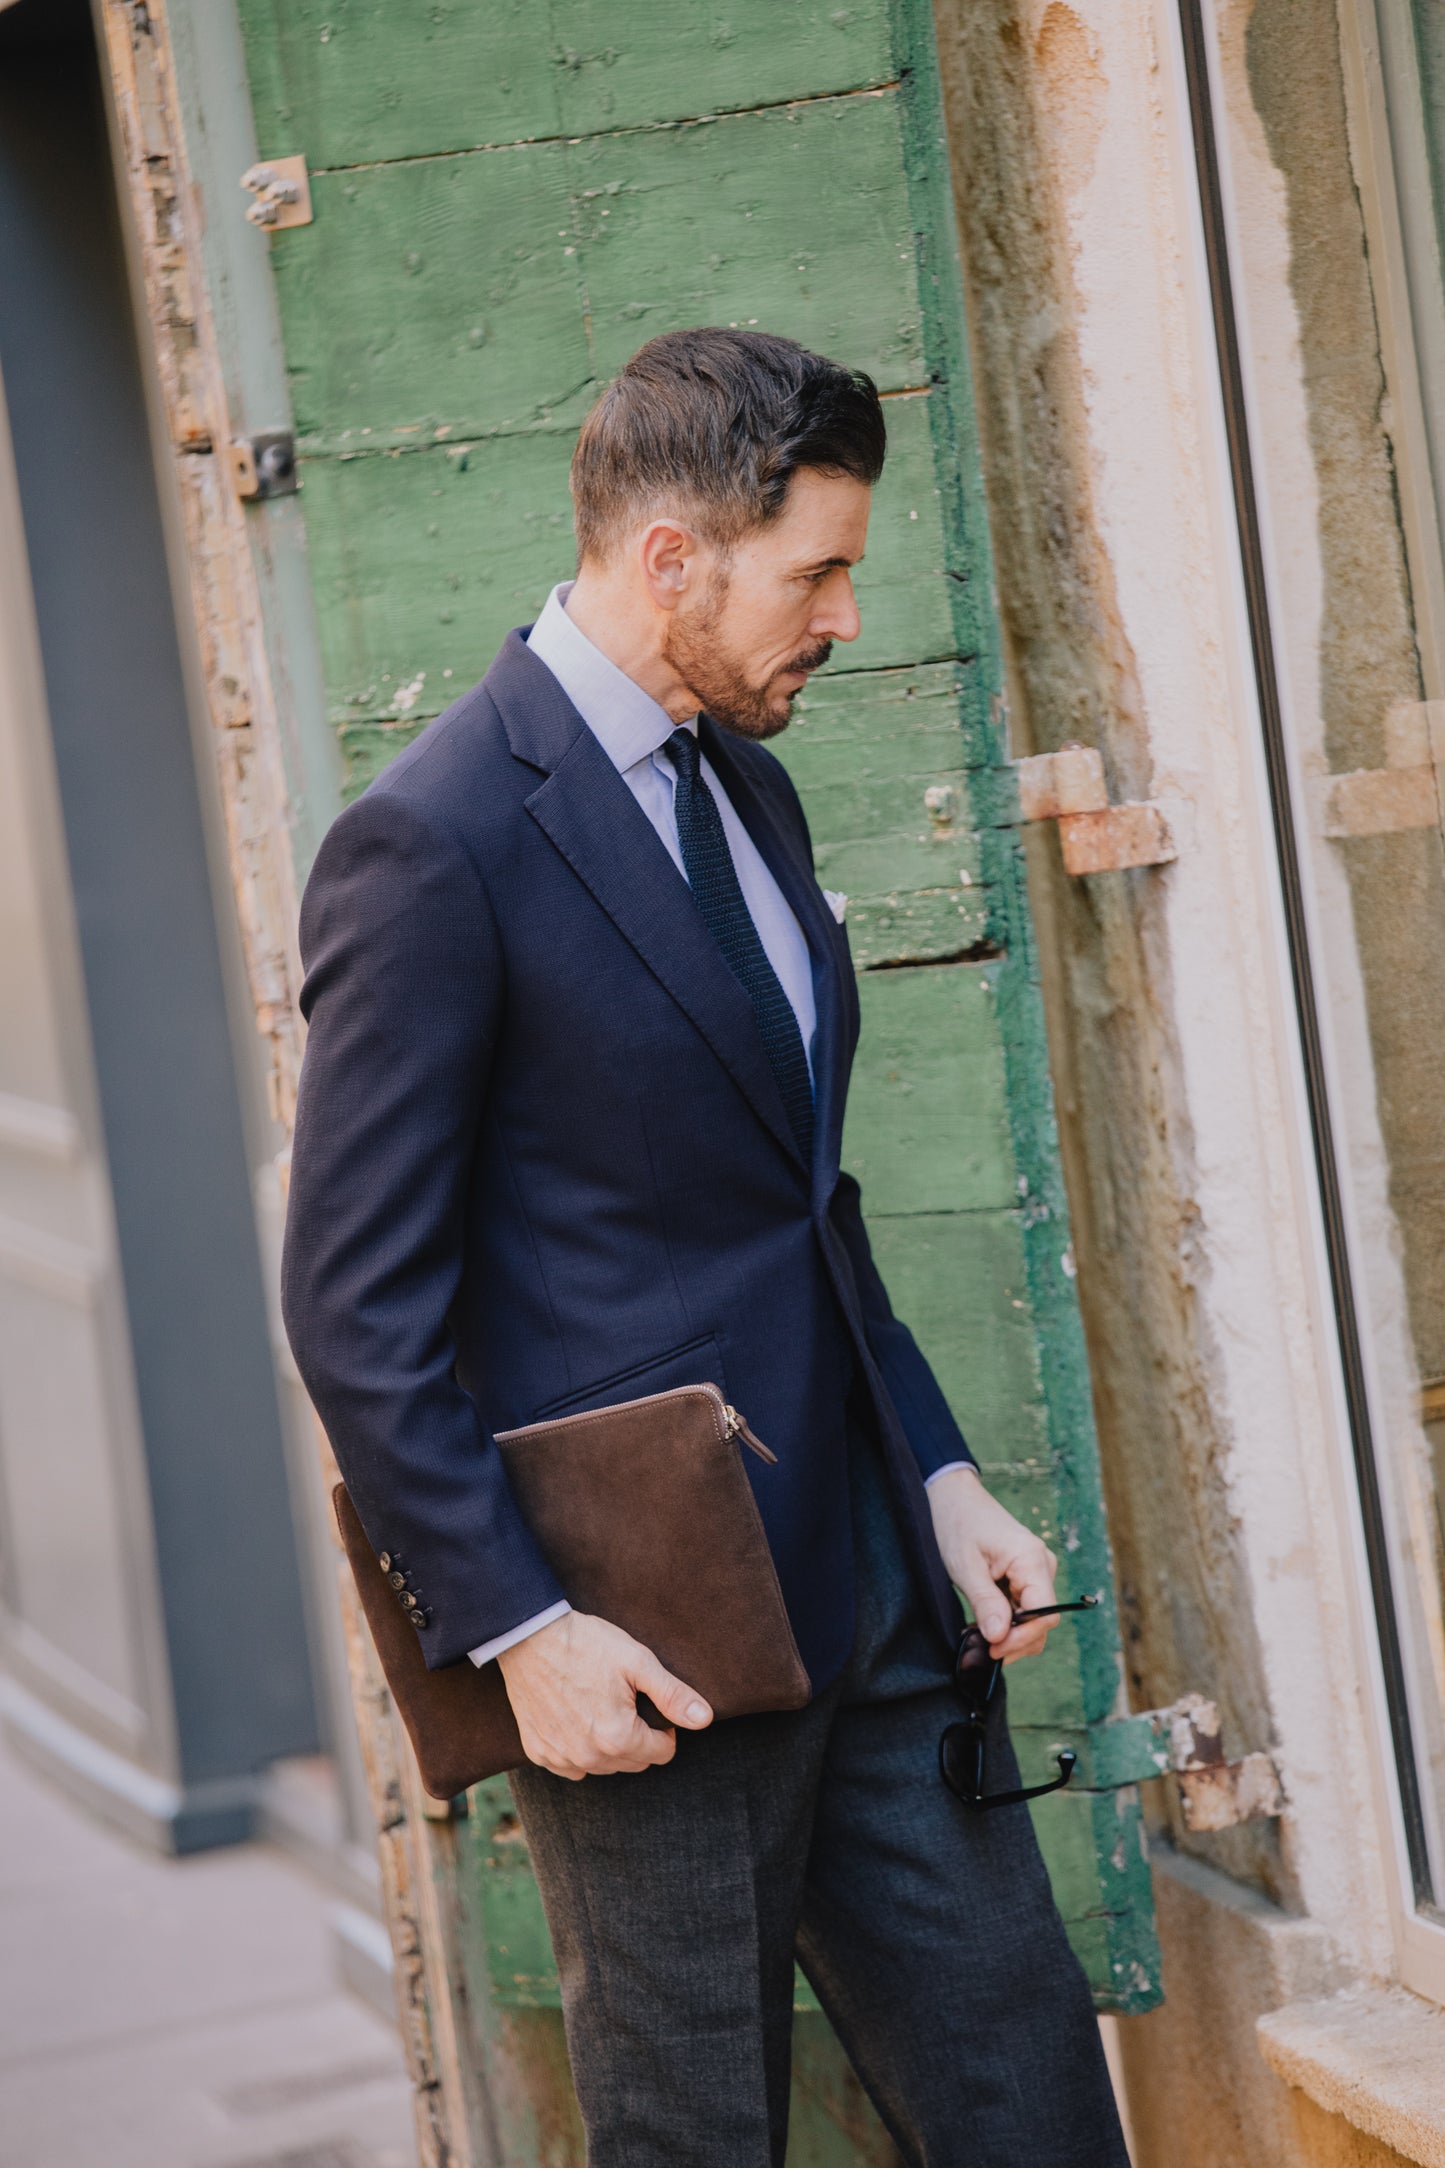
519 1949
795 219
1044 1698
849 726
354 80
443 297
882 760
347 81
756 52
938 925
422 561
927 1128
497 290
959 1280
896 860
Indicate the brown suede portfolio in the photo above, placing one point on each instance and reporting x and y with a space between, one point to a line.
645 1514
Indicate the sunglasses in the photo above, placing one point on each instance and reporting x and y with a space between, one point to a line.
975 1681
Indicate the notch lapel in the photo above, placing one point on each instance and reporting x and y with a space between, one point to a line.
591 817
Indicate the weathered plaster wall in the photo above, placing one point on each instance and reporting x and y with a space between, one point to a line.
1029 99
1199 2091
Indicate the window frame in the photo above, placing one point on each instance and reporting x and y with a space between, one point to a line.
1349 1392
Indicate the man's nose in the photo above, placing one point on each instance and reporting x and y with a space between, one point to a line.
836 615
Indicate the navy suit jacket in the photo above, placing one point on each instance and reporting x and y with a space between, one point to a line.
541 1164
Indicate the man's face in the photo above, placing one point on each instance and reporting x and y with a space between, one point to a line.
766 614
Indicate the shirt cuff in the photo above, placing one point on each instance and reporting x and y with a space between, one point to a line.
503 1642
928 1481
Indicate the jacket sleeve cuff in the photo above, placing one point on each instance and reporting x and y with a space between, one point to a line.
486 1650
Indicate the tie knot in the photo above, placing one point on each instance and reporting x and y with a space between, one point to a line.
683 750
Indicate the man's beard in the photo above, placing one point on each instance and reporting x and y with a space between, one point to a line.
694 649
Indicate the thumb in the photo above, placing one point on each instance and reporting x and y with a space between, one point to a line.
987 1601
678 1703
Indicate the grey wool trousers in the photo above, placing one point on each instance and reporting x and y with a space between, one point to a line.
678 1897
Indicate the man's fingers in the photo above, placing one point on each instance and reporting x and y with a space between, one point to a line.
1030 1579
591 1701
672 1699
641 1746
1028 1586
652 1747
1033 1585
990 1606
557 1765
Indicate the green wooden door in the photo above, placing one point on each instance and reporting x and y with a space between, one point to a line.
508 199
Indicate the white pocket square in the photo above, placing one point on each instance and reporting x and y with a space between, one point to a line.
836 903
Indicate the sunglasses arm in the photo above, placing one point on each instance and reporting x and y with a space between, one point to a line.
1067 1760
1054 1610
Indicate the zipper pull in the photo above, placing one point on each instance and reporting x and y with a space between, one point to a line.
737 1428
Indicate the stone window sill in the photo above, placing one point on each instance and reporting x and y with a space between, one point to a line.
1372 2055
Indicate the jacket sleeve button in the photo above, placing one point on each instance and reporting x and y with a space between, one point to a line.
385 1562
398 1580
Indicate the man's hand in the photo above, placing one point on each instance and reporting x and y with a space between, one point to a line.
573 1687
983 1545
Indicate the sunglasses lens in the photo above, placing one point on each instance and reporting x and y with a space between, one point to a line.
960 1758
975 1672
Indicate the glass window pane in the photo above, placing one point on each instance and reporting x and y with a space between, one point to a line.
1342 405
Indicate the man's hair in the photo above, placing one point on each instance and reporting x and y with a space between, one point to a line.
713 424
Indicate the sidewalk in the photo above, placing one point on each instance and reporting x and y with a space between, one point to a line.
177 2013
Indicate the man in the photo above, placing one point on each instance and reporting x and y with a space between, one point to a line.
581 1023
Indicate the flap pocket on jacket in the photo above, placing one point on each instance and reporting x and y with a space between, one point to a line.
696 1362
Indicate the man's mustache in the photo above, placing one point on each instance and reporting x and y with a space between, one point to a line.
813 659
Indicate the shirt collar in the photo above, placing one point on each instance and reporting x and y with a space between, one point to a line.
627 722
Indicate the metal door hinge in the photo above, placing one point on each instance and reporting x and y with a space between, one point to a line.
282 188
1216 1794
1184 1739
264 465
1069 787
1408 792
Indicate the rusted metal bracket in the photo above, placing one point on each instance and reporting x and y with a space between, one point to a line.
1408 792
1069 787
1184 1740
282 188
1214 1793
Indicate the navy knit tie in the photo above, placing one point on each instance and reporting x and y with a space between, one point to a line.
713 879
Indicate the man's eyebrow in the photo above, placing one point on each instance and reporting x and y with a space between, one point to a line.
827 564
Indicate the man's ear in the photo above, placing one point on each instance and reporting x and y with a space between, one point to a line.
667 556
